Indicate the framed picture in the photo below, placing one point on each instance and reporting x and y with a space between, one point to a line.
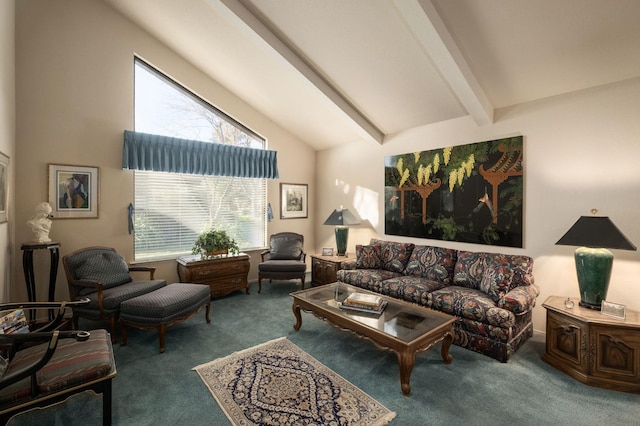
293 200
613 309
327 251
73 191
4 177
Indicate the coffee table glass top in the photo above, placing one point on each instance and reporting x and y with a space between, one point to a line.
402 320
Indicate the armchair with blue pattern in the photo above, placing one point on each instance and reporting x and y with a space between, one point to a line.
103 276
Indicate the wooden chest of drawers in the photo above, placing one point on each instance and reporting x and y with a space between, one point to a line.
223 274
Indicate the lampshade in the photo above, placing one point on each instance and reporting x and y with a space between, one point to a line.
594 235
342 218
597 232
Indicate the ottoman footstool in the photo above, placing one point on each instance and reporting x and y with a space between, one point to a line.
164 307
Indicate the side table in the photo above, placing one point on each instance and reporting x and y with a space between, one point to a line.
224 274
324 269
594 348
27 266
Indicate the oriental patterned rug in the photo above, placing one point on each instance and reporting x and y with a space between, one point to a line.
277 383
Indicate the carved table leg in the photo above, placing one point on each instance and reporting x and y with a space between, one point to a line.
446 356
296 313
406 361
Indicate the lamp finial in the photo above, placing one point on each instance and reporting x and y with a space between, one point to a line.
594 212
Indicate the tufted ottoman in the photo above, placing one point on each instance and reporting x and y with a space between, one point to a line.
164 307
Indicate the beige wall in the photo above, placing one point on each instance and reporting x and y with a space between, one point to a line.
74 67
582 151
7 137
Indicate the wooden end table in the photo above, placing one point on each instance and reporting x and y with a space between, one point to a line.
324 269
594 348
403 328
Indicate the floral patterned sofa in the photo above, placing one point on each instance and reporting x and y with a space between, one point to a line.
491 295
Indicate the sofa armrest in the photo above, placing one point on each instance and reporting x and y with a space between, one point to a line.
520 299
348 264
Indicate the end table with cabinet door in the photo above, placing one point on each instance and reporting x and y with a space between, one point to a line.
594 348
324 269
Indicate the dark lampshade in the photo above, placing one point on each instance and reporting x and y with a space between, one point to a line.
594 235
596 232
342 218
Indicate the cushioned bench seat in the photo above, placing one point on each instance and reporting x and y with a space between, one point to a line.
164 307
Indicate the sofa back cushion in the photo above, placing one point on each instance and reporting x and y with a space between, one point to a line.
522 267
500 272
496 281
393 255
368 257
433 263
469 269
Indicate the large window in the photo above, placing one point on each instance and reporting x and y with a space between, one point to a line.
171 209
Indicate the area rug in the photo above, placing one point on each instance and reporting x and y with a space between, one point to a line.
277 383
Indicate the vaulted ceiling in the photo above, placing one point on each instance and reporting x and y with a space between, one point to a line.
333 71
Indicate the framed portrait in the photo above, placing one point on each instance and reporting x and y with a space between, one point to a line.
73 191
4 177
293 200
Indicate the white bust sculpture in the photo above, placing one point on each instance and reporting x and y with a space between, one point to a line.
40 223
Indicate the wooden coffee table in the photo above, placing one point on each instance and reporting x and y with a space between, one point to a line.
403 328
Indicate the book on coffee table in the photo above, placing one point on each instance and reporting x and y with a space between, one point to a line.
363 300
363 308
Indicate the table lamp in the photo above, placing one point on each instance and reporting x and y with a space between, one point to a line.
342 218
594 235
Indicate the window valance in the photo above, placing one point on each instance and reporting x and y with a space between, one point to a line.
144 151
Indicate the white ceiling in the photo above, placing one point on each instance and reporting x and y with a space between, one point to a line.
333 71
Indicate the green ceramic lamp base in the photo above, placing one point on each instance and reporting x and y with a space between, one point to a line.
593 267
342 235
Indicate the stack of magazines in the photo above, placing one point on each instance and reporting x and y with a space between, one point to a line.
362 302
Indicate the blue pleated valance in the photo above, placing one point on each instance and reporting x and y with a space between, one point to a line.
144 151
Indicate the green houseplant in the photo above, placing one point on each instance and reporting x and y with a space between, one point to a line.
213 242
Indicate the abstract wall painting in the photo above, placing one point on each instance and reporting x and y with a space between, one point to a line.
468 193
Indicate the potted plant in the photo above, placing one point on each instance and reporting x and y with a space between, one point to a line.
214 242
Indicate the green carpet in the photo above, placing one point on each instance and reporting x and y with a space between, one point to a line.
161 389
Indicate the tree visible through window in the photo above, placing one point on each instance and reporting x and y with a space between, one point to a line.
171 209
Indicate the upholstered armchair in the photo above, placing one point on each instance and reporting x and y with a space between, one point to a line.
103 276
284 260
46 366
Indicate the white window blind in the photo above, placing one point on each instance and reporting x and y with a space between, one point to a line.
171 209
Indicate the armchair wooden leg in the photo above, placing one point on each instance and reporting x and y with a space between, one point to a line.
259 284
112 326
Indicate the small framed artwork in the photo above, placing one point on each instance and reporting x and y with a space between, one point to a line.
327 251
613 309
293 200
73 191
4 177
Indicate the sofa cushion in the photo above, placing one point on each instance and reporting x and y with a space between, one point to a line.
393 255
369 279
522 267
470 304
433 263
410 289
469 269
107 267
368 257
496 280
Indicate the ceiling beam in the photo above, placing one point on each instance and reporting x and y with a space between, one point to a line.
431 33
246 21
